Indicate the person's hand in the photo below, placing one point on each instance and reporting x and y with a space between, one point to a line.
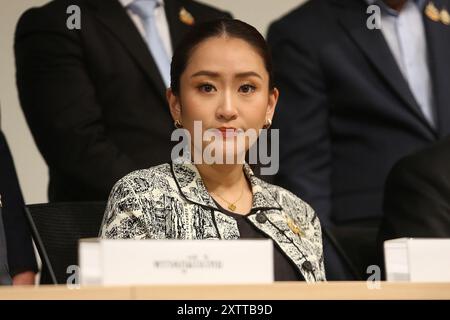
24 279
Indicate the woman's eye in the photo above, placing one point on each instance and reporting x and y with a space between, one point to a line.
206 88
247 88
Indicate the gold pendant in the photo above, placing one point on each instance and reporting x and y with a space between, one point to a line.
432 12
445 17
186 17
232 207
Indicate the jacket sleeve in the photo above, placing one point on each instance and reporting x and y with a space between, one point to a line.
59 101
302 118
124 216
19 247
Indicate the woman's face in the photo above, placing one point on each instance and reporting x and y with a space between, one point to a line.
225 86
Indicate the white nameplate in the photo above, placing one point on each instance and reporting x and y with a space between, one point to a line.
138 262
417 260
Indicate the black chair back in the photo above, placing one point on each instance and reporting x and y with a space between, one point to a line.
56 230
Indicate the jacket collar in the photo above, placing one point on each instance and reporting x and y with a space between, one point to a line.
191 185
113 15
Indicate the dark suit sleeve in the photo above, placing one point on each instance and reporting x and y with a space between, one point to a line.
301 116
18 240
60 103
417 199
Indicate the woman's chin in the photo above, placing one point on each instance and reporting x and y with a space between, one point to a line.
226 157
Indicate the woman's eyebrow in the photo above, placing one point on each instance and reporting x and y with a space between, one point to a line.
214 74
248 74
206 73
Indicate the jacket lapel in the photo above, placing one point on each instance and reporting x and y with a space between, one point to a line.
438 41
112 14
191 185
298 248
353 18
177 27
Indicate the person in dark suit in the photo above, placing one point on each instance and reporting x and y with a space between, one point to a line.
94 97
417 196
5 278
21 261
357 98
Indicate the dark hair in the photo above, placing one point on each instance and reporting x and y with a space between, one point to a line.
215 28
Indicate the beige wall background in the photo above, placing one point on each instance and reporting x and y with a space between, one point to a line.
30 166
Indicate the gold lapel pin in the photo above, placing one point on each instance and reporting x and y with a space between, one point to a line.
445 17
432 12
186 17
294 228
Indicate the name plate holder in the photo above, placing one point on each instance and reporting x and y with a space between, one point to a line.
417 259
154 262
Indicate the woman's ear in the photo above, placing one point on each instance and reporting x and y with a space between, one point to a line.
174 104
273 99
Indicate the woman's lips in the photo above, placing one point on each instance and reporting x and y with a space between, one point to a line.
228 132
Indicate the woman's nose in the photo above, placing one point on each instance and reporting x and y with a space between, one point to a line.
227 108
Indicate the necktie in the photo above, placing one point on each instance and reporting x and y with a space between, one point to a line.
414 54
145 9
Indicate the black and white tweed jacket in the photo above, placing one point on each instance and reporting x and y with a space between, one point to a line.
170 201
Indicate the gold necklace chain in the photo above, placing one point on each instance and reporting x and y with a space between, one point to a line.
231 205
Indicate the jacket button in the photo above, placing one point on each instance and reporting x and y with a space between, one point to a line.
307 266
261 217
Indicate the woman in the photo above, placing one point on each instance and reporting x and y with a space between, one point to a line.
221 75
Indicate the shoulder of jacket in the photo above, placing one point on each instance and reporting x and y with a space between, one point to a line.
139 178
305 14
291 203
307 27
51 16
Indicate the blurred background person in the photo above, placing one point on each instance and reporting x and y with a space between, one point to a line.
17 259
417 196
94 97
355 99
4 273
